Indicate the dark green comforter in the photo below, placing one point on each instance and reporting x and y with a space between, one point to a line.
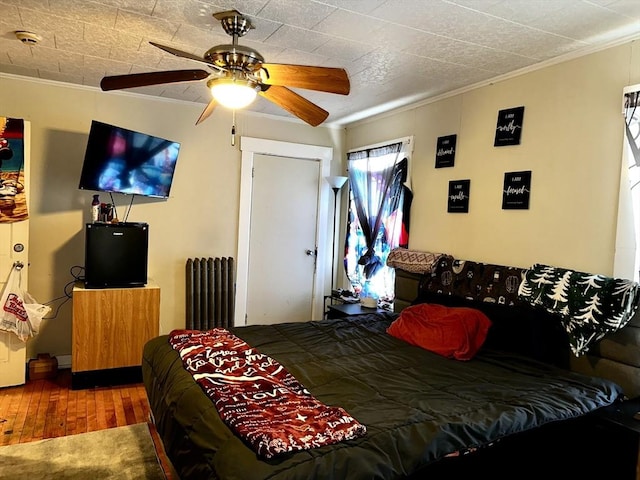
418 407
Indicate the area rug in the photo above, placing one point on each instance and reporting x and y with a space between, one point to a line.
121 452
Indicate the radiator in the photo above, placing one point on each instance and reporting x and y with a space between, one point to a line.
210 295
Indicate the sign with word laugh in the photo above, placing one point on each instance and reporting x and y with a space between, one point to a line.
458 201
509 127
516 191
446 151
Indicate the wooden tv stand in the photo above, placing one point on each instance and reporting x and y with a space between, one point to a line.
110 328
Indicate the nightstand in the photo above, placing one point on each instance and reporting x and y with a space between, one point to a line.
618 437
340 310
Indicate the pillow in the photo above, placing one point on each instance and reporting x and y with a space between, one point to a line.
453 332
485 282
519 329
412 260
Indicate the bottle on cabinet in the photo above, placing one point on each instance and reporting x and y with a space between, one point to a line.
95 208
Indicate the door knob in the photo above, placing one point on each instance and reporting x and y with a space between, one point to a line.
311 253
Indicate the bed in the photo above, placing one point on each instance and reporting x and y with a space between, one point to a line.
426 415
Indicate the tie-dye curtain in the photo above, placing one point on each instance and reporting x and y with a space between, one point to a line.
378 222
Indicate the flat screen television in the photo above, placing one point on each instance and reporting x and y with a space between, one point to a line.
118 160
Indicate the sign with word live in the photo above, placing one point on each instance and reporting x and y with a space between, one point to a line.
516 191
446 151
509 127
458 196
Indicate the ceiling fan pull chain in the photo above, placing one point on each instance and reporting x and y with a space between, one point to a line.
233 129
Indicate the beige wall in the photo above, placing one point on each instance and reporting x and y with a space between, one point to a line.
571 141
200 218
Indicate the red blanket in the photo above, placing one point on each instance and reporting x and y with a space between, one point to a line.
257 397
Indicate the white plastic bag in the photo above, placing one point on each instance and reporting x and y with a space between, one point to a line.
35 311
20 313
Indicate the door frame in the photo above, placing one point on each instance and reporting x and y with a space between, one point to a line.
250 147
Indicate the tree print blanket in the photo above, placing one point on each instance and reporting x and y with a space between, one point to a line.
589 305
257 397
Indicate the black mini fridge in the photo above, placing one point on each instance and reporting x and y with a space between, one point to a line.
116 255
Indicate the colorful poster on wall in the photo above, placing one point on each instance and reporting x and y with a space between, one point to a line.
516 191
458 201
446 151
509 127
13 200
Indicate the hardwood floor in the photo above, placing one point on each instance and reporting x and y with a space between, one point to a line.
50 408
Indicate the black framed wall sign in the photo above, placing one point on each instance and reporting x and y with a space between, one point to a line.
458 200
516 190
509 127
446 151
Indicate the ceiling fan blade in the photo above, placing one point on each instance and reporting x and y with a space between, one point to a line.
183 54
118 82
207 111
323 79
295 104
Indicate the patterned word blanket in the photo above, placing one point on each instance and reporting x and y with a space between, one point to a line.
257 397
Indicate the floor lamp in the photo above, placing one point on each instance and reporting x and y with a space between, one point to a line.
336 184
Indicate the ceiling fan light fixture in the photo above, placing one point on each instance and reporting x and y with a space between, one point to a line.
233 93
240 74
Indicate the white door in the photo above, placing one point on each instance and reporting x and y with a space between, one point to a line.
282 246
253 148
14 240
13 351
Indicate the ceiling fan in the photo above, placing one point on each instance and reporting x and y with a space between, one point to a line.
235 69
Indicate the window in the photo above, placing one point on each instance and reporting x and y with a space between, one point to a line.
378 221
627 255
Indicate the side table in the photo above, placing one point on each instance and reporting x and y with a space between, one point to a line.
340 310
617 429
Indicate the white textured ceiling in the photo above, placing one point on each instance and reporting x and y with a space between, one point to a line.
396 52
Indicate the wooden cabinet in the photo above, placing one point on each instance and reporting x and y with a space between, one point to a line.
111 326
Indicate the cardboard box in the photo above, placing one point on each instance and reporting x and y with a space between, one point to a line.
44 367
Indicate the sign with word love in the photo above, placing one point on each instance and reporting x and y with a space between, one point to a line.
509 127
516 191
